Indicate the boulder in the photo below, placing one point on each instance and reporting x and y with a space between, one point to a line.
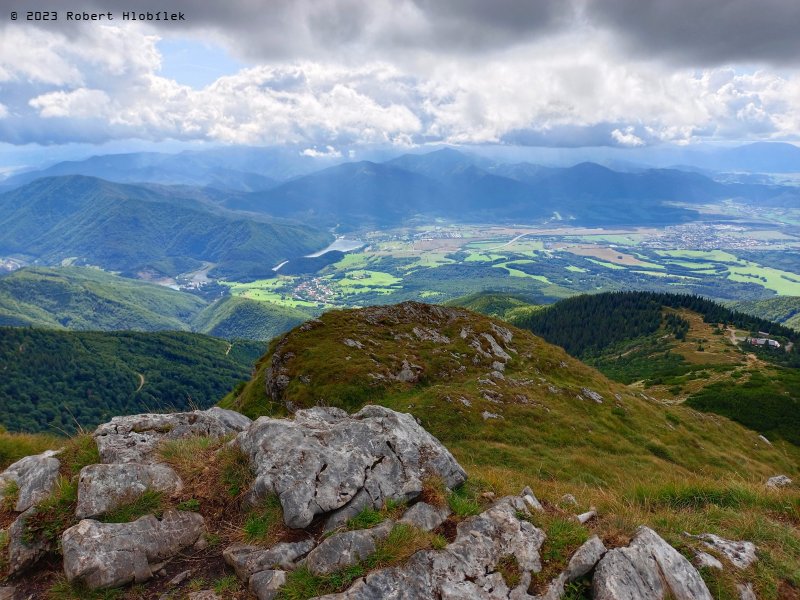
102 488
34 477
105 555
425 516
647 568
347 548
136 438
531 500
778 481
23 554
466 568
325 460
249 560
266 584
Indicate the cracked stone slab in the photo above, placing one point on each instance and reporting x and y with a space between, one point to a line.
648 568
248 560
425 516
465 568
34 476
741 554
102 488
106 555
136 438
347 548
266 584
325 460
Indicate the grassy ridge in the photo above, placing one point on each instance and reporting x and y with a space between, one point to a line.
636 460
57 381
239 318
781 309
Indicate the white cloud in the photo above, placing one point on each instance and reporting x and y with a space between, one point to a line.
3 111
105 84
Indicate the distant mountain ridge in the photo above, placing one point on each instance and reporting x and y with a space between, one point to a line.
131 228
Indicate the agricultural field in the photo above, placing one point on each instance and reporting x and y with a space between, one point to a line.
728 262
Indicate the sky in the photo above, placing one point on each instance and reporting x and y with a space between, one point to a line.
329 75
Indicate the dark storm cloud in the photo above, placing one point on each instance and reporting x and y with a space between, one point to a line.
704 32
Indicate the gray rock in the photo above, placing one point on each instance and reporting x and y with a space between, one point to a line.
102 488
778 481
569 499
585 558
704 560
464 569
581 564
409 373
490 415
647 568
34 476
584 518
346 548
592 395
324 459
497 350
105 555
746 591
21 554
741 554
425 516
203 595
249 560
426 334
353 343
765 440
7 592
179 578
266 584
136 438
530 500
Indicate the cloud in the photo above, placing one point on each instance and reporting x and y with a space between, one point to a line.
3 111
709 32
627 138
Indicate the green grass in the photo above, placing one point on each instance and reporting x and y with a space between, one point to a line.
262 522
462 503
53 515
148 503
367 518
66 590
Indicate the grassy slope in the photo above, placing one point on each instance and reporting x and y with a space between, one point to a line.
496 304
636 460
240 318
57 380
90 299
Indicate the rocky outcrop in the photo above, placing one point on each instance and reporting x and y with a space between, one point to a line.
34 478
325 461
104 555
248 560
741 554
23 552
704 560
580 565
266 584
135 439
425 516
346 548
466 568
102 488
647 568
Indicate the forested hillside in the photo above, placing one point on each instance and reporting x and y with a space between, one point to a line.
62 381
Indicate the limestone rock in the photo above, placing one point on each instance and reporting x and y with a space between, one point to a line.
346 548
647 568
35 478
592 395
266 584
102 488
249 560
530 499
569 499
325 460
746 591
136 438
778 481
105 555
581 564
464 569
704 560
22 554
741 554
203 595
425 516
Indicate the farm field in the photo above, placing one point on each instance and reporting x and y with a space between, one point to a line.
439 262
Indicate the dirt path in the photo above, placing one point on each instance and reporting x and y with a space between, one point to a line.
141 383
